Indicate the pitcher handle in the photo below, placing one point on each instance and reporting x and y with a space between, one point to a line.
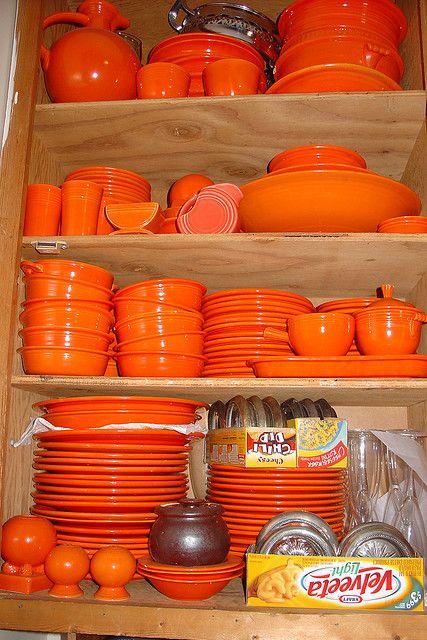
60 18
31 267
177 6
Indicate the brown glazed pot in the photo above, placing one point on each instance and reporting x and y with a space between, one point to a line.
189 533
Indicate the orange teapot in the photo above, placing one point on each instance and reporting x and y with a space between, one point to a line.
92 62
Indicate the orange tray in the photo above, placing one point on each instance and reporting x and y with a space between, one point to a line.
410 366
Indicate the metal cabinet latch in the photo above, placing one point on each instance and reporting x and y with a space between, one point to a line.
52 247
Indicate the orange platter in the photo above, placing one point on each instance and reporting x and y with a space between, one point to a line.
324 201
410 366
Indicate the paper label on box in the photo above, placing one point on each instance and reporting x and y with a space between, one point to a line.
335 583
320 443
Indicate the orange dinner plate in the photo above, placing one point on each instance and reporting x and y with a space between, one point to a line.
88 517
110 481
114 470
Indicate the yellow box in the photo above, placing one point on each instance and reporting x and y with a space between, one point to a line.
307 442
314 582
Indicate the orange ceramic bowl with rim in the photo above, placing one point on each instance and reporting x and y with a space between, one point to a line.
71 270
188 293
63 361
158 323
37 336
66 312
389 332
160 364
321 334
188 343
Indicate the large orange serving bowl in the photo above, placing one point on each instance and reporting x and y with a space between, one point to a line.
63 361
330 201
188 293
321 334
188 343
38 336
126 307
66 312
70 269
158 323
340 49
389 331
41 285
159 364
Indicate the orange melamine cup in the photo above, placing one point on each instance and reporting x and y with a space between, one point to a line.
231 77
42 210
162 80
81 201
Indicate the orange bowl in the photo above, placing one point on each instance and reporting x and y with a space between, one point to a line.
126 307
388 332
71 270
321 334
63 361
159 364
40 285
158 323
65 337
187 589
352 49
188 293
188 343
66 312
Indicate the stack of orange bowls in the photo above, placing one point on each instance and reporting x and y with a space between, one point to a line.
190 583
251 497
234 323
340 45
159 328
119 186
193 51
100 487
67 318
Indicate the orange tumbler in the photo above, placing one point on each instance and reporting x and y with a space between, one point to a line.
81 200
42 210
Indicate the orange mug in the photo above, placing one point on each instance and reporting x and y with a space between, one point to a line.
162 80
42 210
81 200
231 77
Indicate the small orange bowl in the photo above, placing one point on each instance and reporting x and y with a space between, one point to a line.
65 337
158 323
70 270
188 343
321 334
126 307
159 364
388 332
188 293
40 285
64 312
187 589
63 361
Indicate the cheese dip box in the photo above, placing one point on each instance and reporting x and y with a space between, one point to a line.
306 442
315 582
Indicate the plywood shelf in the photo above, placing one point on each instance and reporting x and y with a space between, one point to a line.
380 392
149 614
311 264
230 140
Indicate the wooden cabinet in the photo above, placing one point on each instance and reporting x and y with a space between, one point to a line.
229 139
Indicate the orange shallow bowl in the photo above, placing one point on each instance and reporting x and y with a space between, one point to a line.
40 285
71 270
158 323
230 564
188 343
334 77
340 49
321 334
63 361
159 364
188 293
186 589
324 201
116 403
65 337
65 312
127 306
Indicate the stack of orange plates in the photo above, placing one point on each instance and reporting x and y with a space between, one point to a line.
102 488
120 186
193 51
251 497
403 224
234 322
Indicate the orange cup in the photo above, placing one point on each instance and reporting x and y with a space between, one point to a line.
162 80
81 200
42 210
231 77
